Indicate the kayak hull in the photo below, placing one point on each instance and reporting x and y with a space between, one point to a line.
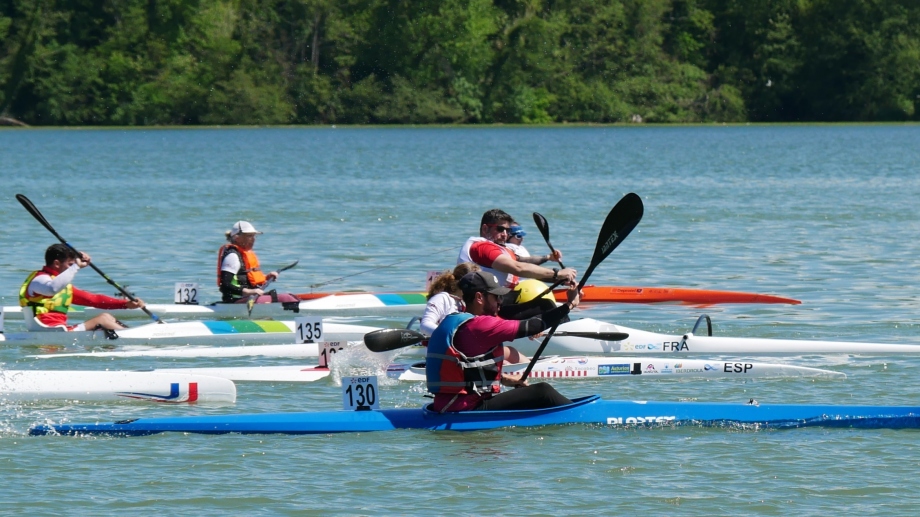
587 410
185 332
597 367
411 303
641 342
169 388
619 294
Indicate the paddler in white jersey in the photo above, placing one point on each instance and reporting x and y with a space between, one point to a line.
489 251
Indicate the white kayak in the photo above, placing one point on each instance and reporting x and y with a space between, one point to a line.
343 304
171 388
597 367
641 342
256 373
567 368
186 332
301 350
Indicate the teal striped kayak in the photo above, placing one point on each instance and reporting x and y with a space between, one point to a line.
191 332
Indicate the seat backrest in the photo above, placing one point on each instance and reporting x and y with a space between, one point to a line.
33 325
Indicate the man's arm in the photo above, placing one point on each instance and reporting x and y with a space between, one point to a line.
47 286
506 264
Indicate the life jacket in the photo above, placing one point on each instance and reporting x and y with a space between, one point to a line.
42 304
505 279
449 370
250 275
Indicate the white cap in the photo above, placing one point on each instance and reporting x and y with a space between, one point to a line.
243 227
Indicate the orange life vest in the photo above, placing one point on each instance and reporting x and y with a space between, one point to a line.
250 275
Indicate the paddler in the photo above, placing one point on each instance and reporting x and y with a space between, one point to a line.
239 275
515 240
489 251
445 298
464 361
49 293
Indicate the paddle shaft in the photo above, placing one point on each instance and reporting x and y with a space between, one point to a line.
32 209
621 220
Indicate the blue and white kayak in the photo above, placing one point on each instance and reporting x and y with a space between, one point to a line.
587 410
189 332
163 387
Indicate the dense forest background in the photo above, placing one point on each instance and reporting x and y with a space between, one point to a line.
139 62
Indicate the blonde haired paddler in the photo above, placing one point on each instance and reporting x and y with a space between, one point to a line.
239 274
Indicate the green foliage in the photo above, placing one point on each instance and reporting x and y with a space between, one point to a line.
141 62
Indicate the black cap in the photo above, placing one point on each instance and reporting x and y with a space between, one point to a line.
482 281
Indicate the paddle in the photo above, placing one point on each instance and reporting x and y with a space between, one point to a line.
621 220
31 208
543 226
390 339
254 297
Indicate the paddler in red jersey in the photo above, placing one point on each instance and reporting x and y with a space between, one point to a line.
489 251
239 274
49 293
463 365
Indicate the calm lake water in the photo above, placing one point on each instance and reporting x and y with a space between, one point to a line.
824 214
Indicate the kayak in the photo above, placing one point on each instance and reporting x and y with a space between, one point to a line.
172 388
184 332
302 350
642 342
608 294
611 294
586 410
363 304
352 303
556 368
595 367
256 373
638 342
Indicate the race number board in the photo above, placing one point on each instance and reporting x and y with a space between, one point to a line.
308 329
360 393
186 293
327 350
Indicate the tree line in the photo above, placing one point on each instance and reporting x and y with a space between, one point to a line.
166 62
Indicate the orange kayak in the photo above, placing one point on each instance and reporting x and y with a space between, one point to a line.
618 294
599 294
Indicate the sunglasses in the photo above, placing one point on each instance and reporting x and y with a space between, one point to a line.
499 229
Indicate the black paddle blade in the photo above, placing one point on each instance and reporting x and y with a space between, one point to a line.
391 339
289 266
543 226
32 209
621 220
602 336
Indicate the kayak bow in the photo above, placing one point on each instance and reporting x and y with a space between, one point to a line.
586 410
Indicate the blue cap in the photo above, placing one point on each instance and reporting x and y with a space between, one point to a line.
517 231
